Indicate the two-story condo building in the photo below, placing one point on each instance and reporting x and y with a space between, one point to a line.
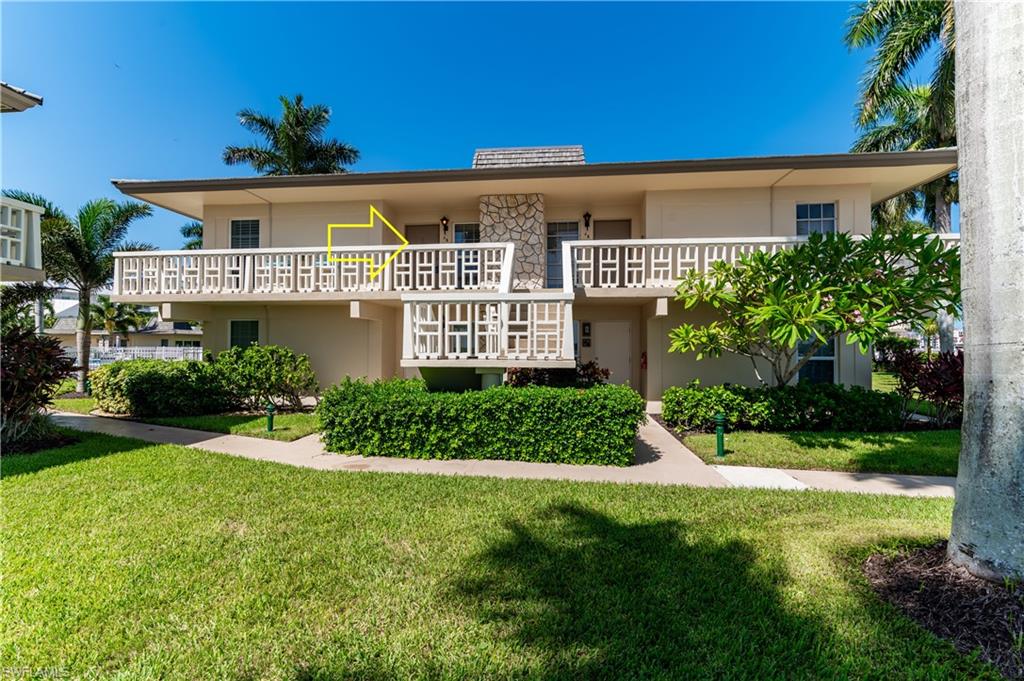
531 257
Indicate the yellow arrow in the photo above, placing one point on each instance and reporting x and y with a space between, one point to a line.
374 271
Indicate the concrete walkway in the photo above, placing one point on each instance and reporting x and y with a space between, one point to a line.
661 459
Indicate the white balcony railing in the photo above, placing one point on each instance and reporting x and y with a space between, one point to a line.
430 267
511 329
660 263
19 233
101 356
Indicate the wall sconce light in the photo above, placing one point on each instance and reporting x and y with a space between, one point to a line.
444 223
586 221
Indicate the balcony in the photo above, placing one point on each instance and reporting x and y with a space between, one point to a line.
481 330
640 267
307 274
20 253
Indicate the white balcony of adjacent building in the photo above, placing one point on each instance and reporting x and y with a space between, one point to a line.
20 244
308 274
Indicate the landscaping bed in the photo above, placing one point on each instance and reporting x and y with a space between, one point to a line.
157 561
971 613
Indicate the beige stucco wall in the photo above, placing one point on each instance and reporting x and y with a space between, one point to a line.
297 224
674 369
337 345
758 211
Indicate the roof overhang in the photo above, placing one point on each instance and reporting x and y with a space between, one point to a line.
16 99
888 174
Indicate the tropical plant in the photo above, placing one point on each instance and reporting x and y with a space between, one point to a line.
31 369
78 251
986 529
768 304
192 232
294 144
118 318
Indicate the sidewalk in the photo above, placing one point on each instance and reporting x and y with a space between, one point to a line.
661 459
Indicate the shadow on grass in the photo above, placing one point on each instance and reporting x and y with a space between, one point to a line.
931 452
89 446
587 596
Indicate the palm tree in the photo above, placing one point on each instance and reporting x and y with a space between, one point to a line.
295 144
192 232
903 31
986 536
78 251
896 116
118 318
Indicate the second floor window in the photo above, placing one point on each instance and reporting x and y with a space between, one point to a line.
815 218
245 234
467 233
557 233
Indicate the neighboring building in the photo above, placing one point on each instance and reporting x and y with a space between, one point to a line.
530 258
157 333
20 255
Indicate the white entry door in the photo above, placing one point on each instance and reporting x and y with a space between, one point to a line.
612 349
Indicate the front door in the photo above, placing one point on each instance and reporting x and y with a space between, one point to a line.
613 349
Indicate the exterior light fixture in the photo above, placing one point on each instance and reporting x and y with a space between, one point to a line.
444 223
586 219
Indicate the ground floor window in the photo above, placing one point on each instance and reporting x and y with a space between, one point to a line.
244 332
822 366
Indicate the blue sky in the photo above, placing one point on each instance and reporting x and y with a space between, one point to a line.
151 90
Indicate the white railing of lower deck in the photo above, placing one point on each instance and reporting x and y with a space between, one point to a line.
660 263
511 326
101 356
428 267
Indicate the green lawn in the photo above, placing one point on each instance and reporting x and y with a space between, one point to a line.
79 405
145 561
932 452
287 427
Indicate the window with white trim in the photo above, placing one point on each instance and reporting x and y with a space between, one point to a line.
815 218
821 367
557 233
245 234
244 332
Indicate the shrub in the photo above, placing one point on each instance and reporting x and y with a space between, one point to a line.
259 374
536 423
31 368
585 375
889 348
938 380
804 406
153 387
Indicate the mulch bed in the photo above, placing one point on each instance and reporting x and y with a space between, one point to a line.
969 612
51 441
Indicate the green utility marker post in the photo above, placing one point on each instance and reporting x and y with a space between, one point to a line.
720 435
270 417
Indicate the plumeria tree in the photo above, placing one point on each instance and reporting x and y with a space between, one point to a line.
778 309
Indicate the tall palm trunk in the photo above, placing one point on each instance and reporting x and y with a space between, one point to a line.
943 225
988 518
83 336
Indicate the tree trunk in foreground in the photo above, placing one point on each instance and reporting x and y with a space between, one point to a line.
943 225
83 337
988 518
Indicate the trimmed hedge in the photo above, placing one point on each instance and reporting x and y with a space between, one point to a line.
805 406
554 425
155 387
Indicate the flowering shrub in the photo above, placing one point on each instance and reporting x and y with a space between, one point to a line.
938 380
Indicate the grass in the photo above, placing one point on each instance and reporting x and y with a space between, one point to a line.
886 382
287 427
79 405
930 452
144 561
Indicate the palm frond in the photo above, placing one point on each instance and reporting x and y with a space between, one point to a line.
50 209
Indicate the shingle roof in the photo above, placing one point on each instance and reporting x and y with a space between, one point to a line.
518 157
17 99
67 325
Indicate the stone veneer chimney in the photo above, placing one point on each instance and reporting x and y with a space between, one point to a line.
518 218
